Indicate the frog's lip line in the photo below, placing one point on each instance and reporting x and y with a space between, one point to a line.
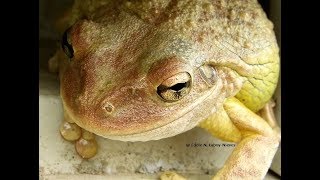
70 113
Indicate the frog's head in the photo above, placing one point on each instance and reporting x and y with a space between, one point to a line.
130 81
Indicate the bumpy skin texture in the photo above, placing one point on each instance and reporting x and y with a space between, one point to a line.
124 50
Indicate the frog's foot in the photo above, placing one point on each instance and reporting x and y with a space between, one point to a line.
86 145
170 175
267 113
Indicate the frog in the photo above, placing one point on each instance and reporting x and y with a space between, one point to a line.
141 70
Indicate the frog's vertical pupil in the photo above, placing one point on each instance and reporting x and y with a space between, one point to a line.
66 46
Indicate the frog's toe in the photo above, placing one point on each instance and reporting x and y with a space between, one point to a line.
267 113
170 175
70 131
87 146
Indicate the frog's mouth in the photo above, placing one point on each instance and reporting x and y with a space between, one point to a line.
187 119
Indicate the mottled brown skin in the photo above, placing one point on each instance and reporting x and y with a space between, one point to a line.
124 50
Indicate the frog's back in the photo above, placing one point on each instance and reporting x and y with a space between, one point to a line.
234 34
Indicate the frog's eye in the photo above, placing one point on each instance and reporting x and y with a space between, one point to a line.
175 87
66 44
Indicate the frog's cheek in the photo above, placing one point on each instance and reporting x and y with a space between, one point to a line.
178 124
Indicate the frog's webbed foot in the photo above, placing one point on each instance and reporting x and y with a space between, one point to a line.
85 143
170 175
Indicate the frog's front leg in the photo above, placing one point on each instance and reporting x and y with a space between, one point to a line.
257 142
85 143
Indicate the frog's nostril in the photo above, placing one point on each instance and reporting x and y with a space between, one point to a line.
108 107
